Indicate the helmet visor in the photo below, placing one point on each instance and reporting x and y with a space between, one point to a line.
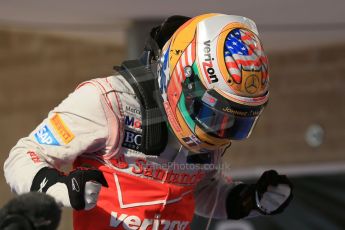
220 123
220 117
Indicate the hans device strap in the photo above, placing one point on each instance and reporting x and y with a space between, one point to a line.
154 127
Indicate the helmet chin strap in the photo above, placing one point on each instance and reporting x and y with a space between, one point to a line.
144 83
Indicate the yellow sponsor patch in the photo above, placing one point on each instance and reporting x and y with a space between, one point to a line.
60 127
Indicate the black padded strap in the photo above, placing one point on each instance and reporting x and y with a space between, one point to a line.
155 131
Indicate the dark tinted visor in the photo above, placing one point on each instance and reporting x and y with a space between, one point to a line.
222 124
218 116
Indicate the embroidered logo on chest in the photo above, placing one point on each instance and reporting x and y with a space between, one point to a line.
132 122
132 140
133 129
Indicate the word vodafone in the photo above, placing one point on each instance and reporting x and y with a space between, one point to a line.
134 222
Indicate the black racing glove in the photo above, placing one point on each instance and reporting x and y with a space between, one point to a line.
79 189
270 195
273 193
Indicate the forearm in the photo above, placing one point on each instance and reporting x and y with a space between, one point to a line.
220 200
22 165
211 198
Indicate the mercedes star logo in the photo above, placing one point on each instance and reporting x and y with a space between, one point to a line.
252 84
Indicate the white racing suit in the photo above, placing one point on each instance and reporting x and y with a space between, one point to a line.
99 126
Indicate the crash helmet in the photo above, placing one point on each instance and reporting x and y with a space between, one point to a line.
213 81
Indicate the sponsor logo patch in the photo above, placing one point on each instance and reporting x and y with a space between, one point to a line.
45 136
132 140
132 110
252 84
167 173
34 157
60 127
135 222
132 122
207 64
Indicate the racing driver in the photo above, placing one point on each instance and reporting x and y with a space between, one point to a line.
146 144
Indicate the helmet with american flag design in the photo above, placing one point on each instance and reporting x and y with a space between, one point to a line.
213 79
